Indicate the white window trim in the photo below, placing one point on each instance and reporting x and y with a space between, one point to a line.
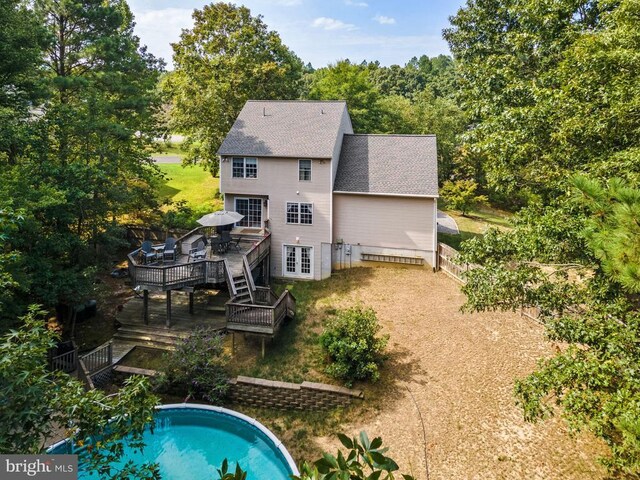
286 204
244 168
284 261
310 169
235 208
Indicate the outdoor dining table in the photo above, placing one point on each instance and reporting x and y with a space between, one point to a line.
219 244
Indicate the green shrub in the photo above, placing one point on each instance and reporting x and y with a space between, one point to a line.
197 368
352 346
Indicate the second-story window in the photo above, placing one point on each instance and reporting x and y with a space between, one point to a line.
304 170
300 213
244 167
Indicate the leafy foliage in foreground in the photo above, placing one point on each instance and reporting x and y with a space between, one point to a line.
197 367
577 261
364 460
350 341
33 401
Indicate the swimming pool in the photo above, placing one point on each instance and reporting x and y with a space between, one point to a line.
190 442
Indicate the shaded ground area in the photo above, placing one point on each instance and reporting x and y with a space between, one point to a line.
453 371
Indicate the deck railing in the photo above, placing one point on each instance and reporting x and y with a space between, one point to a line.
66 362
229 279
198 272
265 296
169 277
267 316
246 269
259 250
98 359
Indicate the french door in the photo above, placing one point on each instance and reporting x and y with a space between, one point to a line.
298 261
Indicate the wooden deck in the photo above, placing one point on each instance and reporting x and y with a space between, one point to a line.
246 308
183 272
208 310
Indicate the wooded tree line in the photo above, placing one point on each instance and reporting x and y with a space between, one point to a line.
230 56
553 97
78 103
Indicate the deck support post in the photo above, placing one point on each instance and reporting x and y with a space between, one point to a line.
168 322
191 303
263 346
145 303
233 343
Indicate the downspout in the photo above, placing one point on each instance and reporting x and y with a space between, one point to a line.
435 234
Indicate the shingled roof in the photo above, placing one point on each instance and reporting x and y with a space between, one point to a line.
307 129
388 164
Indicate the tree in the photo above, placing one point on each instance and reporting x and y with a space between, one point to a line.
227 58
84 159
349 82
443 117
198 368
461 195
578 262
21 41
550 92
33 401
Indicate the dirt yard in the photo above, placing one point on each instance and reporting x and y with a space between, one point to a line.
454 373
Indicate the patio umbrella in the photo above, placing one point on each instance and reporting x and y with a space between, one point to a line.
219 218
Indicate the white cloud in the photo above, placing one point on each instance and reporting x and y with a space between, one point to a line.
158 28
353 3
382 20
327 23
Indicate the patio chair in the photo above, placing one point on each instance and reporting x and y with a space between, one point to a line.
230 242
198 252
169 252
147 252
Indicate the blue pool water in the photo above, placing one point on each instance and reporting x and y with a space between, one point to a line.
191 443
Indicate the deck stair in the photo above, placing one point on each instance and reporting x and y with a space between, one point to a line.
150 336
244 294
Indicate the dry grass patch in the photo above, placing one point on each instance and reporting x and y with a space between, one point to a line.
453 370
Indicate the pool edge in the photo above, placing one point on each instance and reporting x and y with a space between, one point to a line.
241 416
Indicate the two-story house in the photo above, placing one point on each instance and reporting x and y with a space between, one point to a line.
329 197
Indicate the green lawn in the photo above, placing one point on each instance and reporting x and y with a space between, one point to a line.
474 224
193 184
171 149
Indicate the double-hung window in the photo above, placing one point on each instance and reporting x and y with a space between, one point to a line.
244 167
301 213
304 170
251 208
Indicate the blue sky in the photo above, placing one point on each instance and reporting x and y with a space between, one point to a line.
319 31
